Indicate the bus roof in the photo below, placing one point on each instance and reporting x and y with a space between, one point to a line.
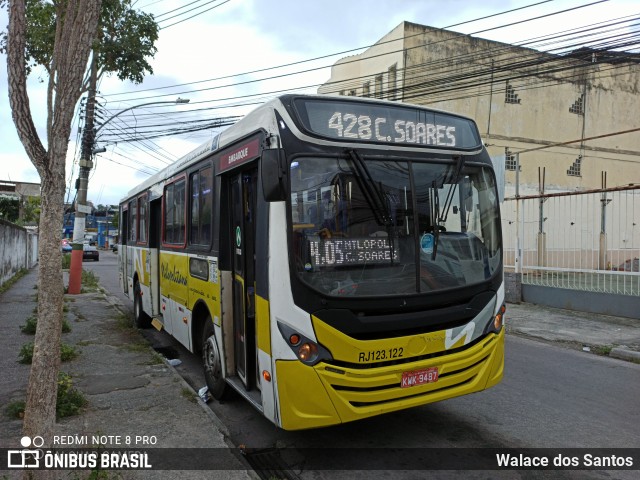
262 116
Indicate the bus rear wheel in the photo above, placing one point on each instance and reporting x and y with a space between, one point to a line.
140 318
212 363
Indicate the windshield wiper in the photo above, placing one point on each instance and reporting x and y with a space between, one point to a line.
438 219
452 188
435 217
372 192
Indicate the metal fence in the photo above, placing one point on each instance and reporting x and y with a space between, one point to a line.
586 241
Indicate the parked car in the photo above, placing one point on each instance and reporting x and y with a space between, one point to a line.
65 246
89 252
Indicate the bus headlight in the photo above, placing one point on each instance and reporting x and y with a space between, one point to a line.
307 351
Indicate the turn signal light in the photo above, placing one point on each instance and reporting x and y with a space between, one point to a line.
294 339
266 375
497 321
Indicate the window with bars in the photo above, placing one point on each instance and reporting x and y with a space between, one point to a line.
366 89
510 95
509 160
393 77
378 80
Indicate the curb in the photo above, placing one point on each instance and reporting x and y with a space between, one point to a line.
625 354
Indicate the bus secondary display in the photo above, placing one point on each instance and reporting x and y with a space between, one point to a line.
354 251
373 122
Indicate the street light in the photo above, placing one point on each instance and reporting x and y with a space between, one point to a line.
82 209
176 101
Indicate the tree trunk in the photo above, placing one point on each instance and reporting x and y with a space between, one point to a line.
40 413
76 24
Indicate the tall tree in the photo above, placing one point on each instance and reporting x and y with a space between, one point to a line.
76 22
60 35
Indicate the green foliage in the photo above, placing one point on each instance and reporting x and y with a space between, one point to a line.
26 353
30 327
89 280
66 261
32 322
7 285
9 208
70 400
115 221
126 38
67 353
31 210
15 409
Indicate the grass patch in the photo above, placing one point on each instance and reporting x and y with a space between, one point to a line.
32 322
602 349
66 261
68 402
89 280
141 347
156 359
124 322
67 353
9 283
189 395
15 409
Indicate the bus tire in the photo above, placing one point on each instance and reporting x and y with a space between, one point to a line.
140 318
212 363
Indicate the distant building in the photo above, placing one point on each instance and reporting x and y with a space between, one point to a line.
520 98
21 191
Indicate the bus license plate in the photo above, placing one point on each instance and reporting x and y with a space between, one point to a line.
419 377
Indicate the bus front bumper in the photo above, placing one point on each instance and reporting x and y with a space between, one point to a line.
329 394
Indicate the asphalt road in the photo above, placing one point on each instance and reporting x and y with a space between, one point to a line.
551 397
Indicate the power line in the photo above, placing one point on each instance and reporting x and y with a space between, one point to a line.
466 81
193 16
344 52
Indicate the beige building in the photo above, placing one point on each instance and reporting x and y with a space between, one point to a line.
523 100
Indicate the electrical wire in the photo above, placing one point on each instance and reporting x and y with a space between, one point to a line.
446 89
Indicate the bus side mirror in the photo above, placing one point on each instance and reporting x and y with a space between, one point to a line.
272 166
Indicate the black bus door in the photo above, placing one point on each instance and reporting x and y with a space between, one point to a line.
243 235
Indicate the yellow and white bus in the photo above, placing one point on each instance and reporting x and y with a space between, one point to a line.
330 258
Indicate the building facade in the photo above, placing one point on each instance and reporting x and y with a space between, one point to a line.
523 100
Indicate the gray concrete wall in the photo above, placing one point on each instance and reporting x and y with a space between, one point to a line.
593 302
513 287
18 249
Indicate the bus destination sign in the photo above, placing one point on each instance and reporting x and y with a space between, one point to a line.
379 123
330 252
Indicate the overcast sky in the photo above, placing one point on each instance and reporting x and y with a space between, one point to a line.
245 35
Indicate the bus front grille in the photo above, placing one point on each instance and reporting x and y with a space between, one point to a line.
375 388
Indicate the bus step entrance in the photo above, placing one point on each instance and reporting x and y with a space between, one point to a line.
253 396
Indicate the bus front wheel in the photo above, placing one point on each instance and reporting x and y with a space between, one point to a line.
212 363
141 319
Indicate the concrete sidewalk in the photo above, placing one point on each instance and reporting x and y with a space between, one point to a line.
617 337
130 389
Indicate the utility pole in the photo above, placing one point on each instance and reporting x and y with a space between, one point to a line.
86 164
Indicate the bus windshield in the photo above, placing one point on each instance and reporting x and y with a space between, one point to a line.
375 227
